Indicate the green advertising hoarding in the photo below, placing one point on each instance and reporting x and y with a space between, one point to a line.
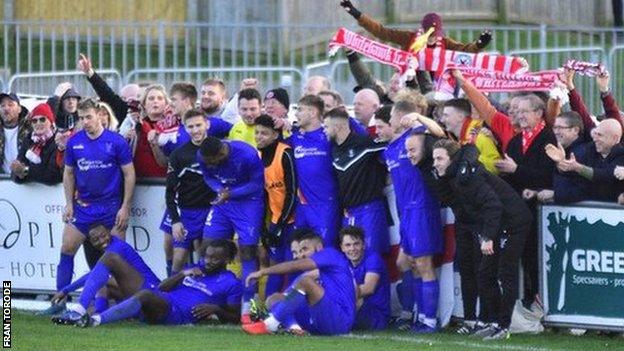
582 265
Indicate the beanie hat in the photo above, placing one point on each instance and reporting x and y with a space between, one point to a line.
433 20
279 94
43 110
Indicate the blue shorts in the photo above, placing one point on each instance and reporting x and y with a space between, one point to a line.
282 252
175 315
322 218
87 215
373 219
165 223
243 217
421 232
369 317
326 317
194 220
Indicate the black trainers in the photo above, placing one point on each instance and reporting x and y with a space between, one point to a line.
466 328
483 330
499 334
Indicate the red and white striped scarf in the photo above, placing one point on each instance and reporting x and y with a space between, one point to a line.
33 154
529 136
585 68
436 59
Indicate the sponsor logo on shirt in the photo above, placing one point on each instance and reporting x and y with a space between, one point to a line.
192 283
301 152
87 165
78 147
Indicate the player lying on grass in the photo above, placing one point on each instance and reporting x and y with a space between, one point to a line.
187 297
120 261
320 301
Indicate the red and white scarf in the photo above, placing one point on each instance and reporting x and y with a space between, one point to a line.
529 136
33 154
585 68
436 59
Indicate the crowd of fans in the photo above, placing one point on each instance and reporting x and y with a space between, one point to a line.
492 160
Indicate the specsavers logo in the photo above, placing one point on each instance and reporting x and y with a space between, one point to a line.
87 165
301 152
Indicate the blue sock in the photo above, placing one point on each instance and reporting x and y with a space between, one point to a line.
248 267
64 271
169 264
405 292
418 296
284 311
97 279
127 309
100 304
430 294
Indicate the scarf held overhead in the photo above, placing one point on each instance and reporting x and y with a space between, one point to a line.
436 59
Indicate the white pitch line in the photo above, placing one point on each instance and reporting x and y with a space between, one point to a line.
494 346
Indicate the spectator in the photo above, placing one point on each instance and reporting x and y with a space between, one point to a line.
149 160
37 158
567 186
276 103
456 118
331 99
576 100
316 84
406 38
109 121
526 166
249 108
64 103
365 103
601 157
14 129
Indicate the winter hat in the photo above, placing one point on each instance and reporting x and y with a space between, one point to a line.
279 94
71 93
43 110
433 20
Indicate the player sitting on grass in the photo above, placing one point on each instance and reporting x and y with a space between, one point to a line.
187 297
119 260
371 277
320 301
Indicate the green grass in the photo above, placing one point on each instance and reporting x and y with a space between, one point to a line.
38 333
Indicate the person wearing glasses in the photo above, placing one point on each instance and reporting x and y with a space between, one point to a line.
36 161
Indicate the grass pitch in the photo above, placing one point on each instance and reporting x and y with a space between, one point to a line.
38 333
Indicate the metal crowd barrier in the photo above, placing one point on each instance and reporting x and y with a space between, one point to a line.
290 78
44 83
